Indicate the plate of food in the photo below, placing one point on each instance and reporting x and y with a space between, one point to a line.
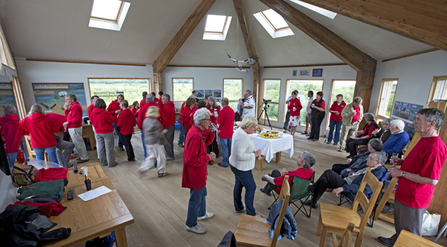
271 135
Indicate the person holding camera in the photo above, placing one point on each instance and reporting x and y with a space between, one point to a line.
249 105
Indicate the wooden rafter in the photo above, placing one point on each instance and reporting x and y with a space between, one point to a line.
421 20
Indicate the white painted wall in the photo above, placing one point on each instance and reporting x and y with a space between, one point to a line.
414 74
40 72
342 72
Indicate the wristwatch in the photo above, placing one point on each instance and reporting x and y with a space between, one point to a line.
403 174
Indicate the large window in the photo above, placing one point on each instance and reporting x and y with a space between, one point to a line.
438 89
5 53
344 87
272 89
182 88
303 86
17 88
387 92
232 89
109 89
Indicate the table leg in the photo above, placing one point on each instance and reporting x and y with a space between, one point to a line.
261 163
121 238
278 157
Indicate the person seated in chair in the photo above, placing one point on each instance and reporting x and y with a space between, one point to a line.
398 139
350 184
359 161
304 171
383 134
362 136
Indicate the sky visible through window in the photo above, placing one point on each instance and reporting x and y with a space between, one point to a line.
275 19
321 11
215 23
106 9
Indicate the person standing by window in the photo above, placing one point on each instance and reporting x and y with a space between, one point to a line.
336 119
317 115
294 107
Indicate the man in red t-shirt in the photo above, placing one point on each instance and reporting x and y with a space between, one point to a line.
73 111
351 115
418 175
226 125
125 122
168 123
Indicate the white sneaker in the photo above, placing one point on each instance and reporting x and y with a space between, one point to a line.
196 229
206 216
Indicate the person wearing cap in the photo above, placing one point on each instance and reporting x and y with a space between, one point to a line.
336 119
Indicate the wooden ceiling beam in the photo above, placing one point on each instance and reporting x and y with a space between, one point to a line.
421 20
329 40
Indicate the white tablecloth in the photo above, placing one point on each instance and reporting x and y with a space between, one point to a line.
271 146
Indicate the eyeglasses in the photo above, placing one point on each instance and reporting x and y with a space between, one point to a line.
207 119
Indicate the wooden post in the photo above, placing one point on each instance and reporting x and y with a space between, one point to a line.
364 83
158 82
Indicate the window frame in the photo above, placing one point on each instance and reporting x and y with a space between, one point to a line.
223 88
20 102
271 23
105 19
433 86
223 27
172 87
117 78
271 102
378 115
270 28
9 59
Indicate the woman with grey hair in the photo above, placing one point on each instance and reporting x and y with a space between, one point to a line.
362 136
12 133
214 109
242 161
304 162
383 134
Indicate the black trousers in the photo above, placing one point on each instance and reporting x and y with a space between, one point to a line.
315 128
286 123
274 174
129 148
213 146
337 168
65 136
351 145
329 179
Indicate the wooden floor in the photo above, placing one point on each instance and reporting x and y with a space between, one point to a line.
159 205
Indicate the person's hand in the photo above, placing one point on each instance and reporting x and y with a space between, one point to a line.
336 113
337 191
395 173
349 170
397 161
212 156
240 102
117 111
164 131
257 153
349 160
66 107
375 132
213 128
351 114
65 125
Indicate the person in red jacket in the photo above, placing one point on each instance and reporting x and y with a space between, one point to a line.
336 119
214 109
12 134
73 111
187 117
195 172
114 108
295 107
155 98
182 135
126 121
92 105
142 115
102 121
135 109
168 124
160 101
225 121
41 131
143 101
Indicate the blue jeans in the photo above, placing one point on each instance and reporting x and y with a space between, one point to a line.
225 148
337 125
196 206
182 135
144 146
244 179
120 139
40 152
11 160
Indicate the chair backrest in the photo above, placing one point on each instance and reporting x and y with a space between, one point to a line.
285 197
362 199
385 197
300 187
347 236
409 239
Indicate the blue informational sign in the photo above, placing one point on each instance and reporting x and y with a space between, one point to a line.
317 72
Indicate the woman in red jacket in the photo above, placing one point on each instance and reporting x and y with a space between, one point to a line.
214 109
188 118
102 121
11 133
41 130
336 119
295 107
126 121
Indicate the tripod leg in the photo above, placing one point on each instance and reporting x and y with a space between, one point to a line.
267 117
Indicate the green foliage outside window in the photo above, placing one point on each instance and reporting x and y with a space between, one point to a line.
232 89
109 89
272 91
181 88
303 86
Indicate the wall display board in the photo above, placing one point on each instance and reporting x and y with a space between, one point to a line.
407 112
217 94
208 93
51 96
6 96
200 94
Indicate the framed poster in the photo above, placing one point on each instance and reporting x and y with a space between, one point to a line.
217 93
304 72
6 96
294 72
396 108
405 110
51 96
200 94
208 93
414 111
317 72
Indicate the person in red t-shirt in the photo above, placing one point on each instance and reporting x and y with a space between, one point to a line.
135 109
73 111
336 119
92 105
294 106
305 161
317 115
225 121
126 121
214 109
351 115
188 118
362 137
168 124
418 175
182 135
114 108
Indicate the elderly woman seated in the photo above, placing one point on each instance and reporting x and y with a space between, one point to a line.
383 134
362 136
304 162
398 139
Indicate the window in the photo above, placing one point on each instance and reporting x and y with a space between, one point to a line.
321 11
272 89
273 23
303 86
5 53
108 14
216 27
108 89
17 88
387 92
182 88
344 87
438 90
232 89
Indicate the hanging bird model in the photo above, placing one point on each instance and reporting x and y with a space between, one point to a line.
249 61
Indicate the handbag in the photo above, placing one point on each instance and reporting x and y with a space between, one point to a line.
430 224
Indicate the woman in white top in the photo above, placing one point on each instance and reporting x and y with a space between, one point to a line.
242 161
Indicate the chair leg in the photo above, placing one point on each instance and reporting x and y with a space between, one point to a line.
334 239
359 239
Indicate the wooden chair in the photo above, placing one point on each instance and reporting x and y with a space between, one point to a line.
384 199
334 219
409 239
347 236
253 231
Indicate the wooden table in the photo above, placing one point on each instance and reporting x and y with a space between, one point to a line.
95 218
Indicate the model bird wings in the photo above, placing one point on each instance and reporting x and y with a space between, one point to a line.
249 61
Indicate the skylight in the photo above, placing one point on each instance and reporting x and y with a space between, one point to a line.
108 14
321 11
273 23
216 27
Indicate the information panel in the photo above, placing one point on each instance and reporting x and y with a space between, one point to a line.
51 96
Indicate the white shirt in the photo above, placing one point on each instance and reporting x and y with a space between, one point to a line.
309 103
242 148
250 101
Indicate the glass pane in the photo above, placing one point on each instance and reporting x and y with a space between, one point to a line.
275 19
182 88
215 23
233 105
303 86
272 112
346 88
233 89
440 90
109 89
272 90
106 9
387 97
